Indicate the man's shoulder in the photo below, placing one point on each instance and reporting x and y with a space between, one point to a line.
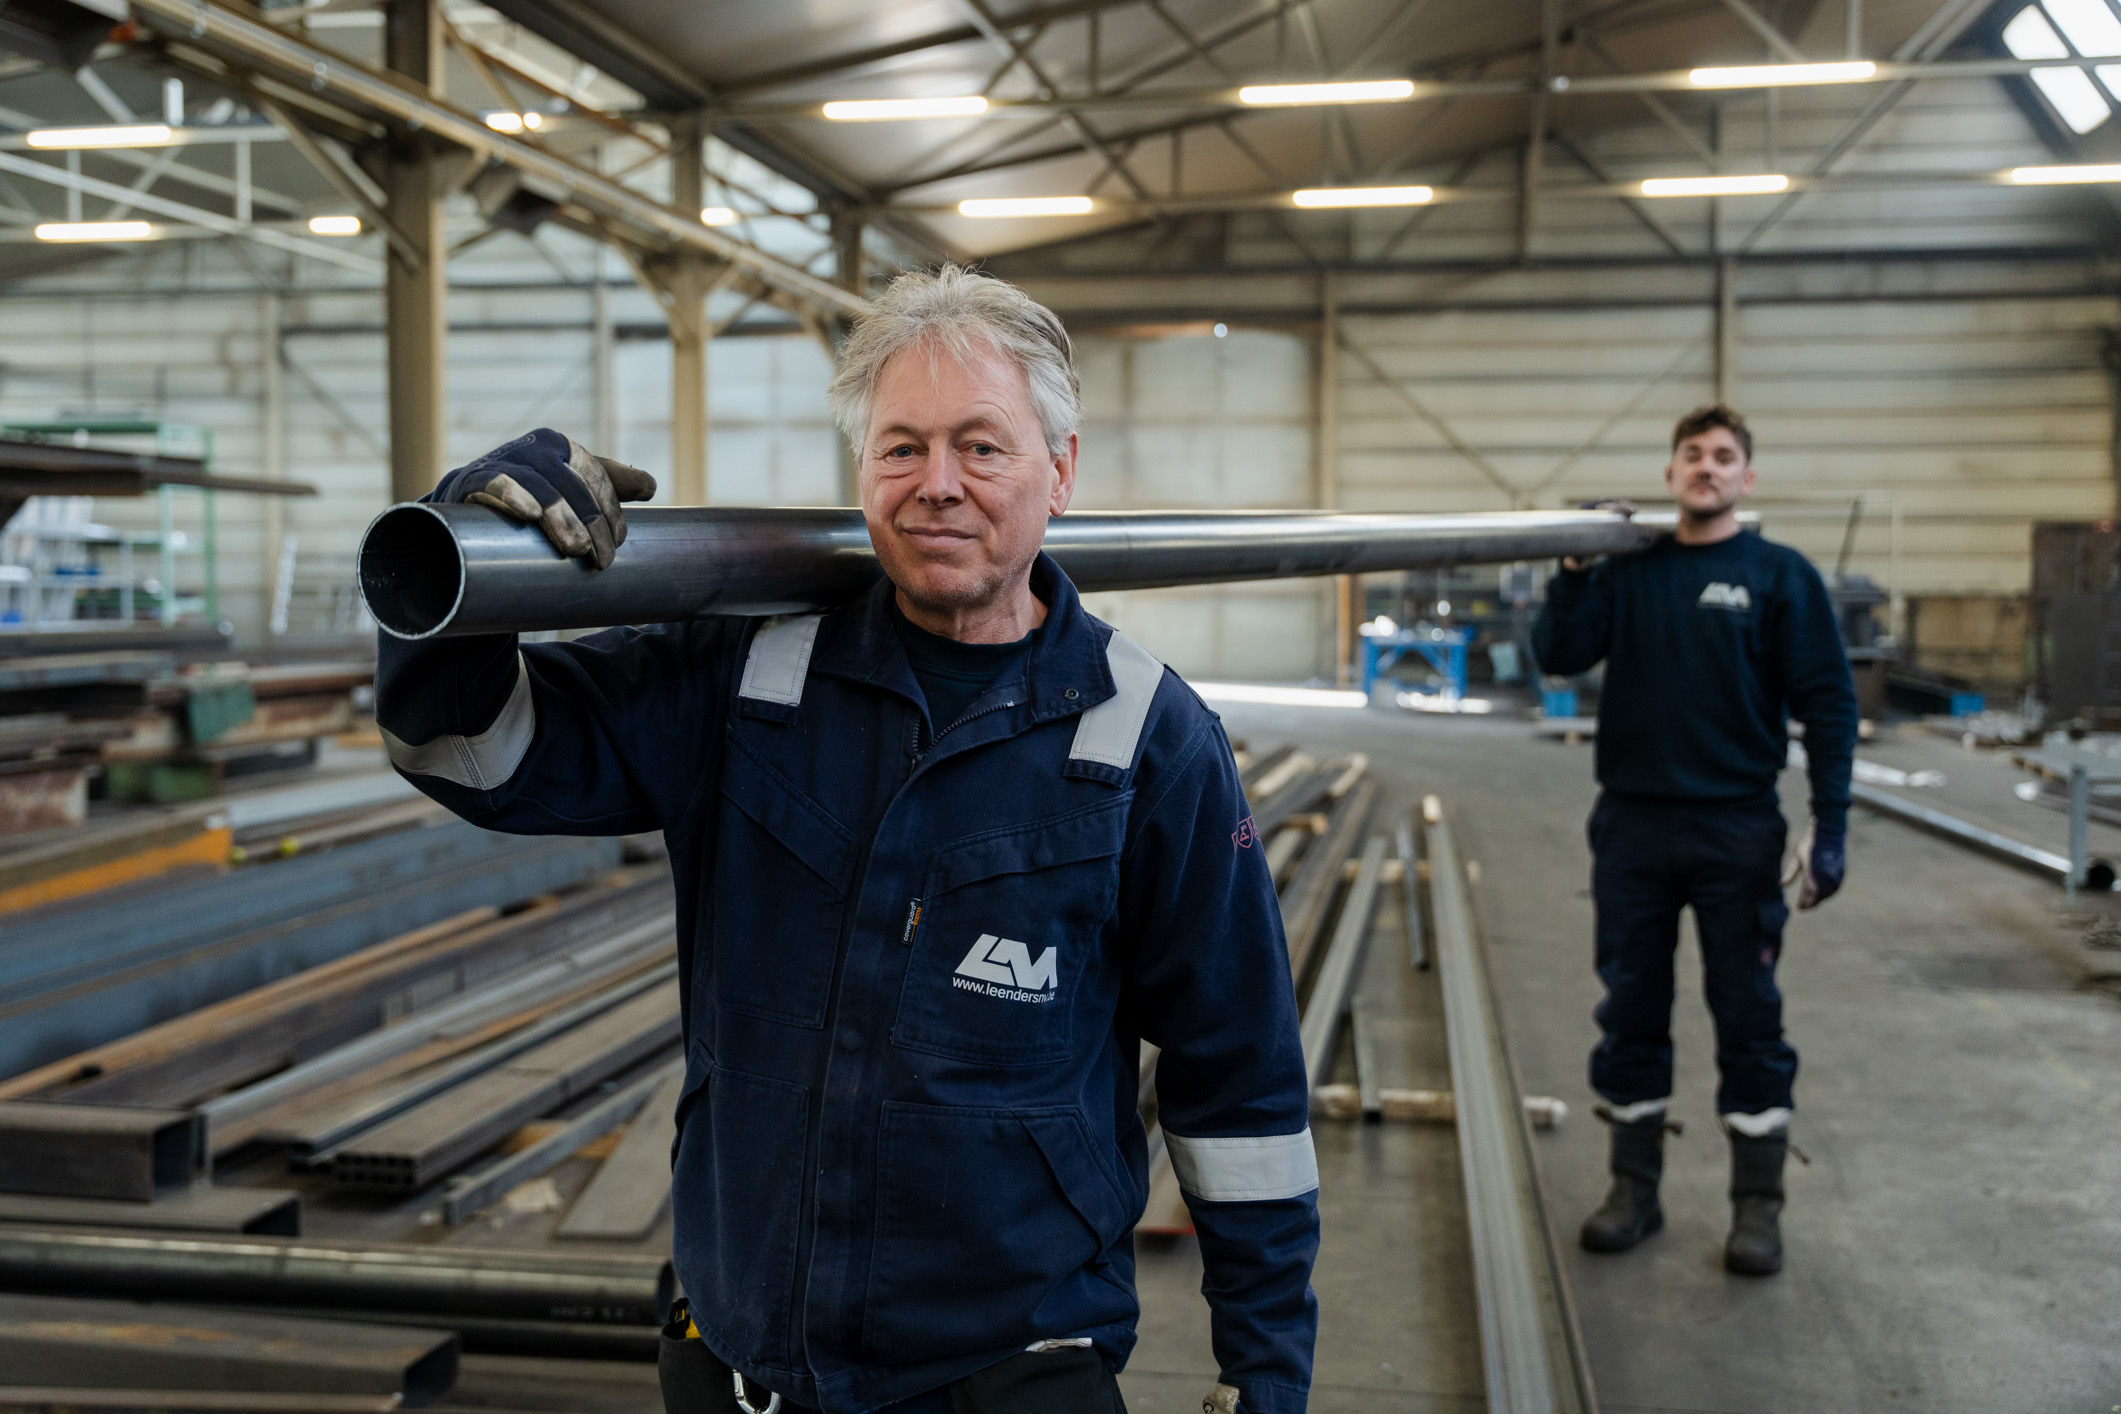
1176 714
1785 561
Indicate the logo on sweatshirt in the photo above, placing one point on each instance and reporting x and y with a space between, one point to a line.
1735 597
1002 967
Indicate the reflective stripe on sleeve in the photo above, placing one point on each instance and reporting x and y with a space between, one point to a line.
480 762
1109 731
1249 1168
779 660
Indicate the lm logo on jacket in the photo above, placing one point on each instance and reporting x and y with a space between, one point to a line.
1735 597
1002 967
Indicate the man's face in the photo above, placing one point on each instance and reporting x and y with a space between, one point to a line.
957 484
1709 473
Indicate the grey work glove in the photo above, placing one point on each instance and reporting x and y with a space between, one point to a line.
555 483
1610 503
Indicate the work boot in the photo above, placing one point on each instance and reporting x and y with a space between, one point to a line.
1755 1245
1630 1212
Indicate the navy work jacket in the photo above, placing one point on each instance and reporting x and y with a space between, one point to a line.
922 959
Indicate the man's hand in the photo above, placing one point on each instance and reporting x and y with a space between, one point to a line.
1823 858
1610 503
553 482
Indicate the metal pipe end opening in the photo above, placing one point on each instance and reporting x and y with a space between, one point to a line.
411 571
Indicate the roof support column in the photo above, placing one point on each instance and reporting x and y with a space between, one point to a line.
416 278
688 278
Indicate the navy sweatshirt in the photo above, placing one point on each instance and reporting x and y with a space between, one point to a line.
1710 650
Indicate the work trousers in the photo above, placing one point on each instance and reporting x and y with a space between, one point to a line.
1723 859
1066 1380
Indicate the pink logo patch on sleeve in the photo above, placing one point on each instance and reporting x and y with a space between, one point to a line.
1245 833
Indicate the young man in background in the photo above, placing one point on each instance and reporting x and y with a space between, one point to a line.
1713 639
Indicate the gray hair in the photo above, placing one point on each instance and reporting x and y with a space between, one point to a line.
957 311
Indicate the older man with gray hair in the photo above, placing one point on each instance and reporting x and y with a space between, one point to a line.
946 857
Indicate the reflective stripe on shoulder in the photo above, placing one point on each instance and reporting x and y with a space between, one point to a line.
1109 732
780 659
480 762
1250 1168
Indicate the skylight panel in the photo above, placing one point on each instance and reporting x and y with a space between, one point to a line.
2090 26
2030 36
2074 97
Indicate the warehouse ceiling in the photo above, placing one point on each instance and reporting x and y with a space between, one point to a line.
1127 102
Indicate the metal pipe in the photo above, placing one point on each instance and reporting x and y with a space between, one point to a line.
296 1271
448 570
2099 874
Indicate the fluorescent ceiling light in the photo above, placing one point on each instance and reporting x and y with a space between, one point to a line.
1761 184
1278 696
886 110
2059 176
717 216
1365 196
335 225
514 122
1783 75
2030 36
1369 91
2089 25
125 135
1026 206
95 231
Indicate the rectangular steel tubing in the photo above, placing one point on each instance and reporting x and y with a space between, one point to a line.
469 1194
215 964
608 957
1530 1353
94 1151
60 1341
235 1041
324 1133
274 1212
289 1272
632 1187
1337 971
430 1140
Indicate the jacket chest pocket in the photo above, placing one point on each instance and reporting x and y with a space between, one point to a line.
1003 938
782 870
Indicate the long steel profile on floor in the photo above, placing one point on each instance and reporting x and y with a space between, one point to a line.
1531 1350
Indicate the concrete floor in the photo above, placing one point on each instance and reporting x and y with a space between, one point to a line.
1953 1243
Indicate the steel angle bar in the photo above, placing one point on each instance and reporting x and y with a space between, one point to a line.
1530 1352
632 1187
470 1193
301 1271
605 958
273 1212
323 1139
1410 891
460 569
1305 901
1343 961
58 1399
494 1335
94 1151
1298 796
1263 766
2047 863
430 1140
55 1341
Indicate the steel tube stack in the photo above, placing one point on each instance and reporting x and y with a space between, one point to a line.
450 570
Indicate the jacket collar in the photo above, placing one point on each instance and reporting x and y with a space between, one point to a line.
1067 671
